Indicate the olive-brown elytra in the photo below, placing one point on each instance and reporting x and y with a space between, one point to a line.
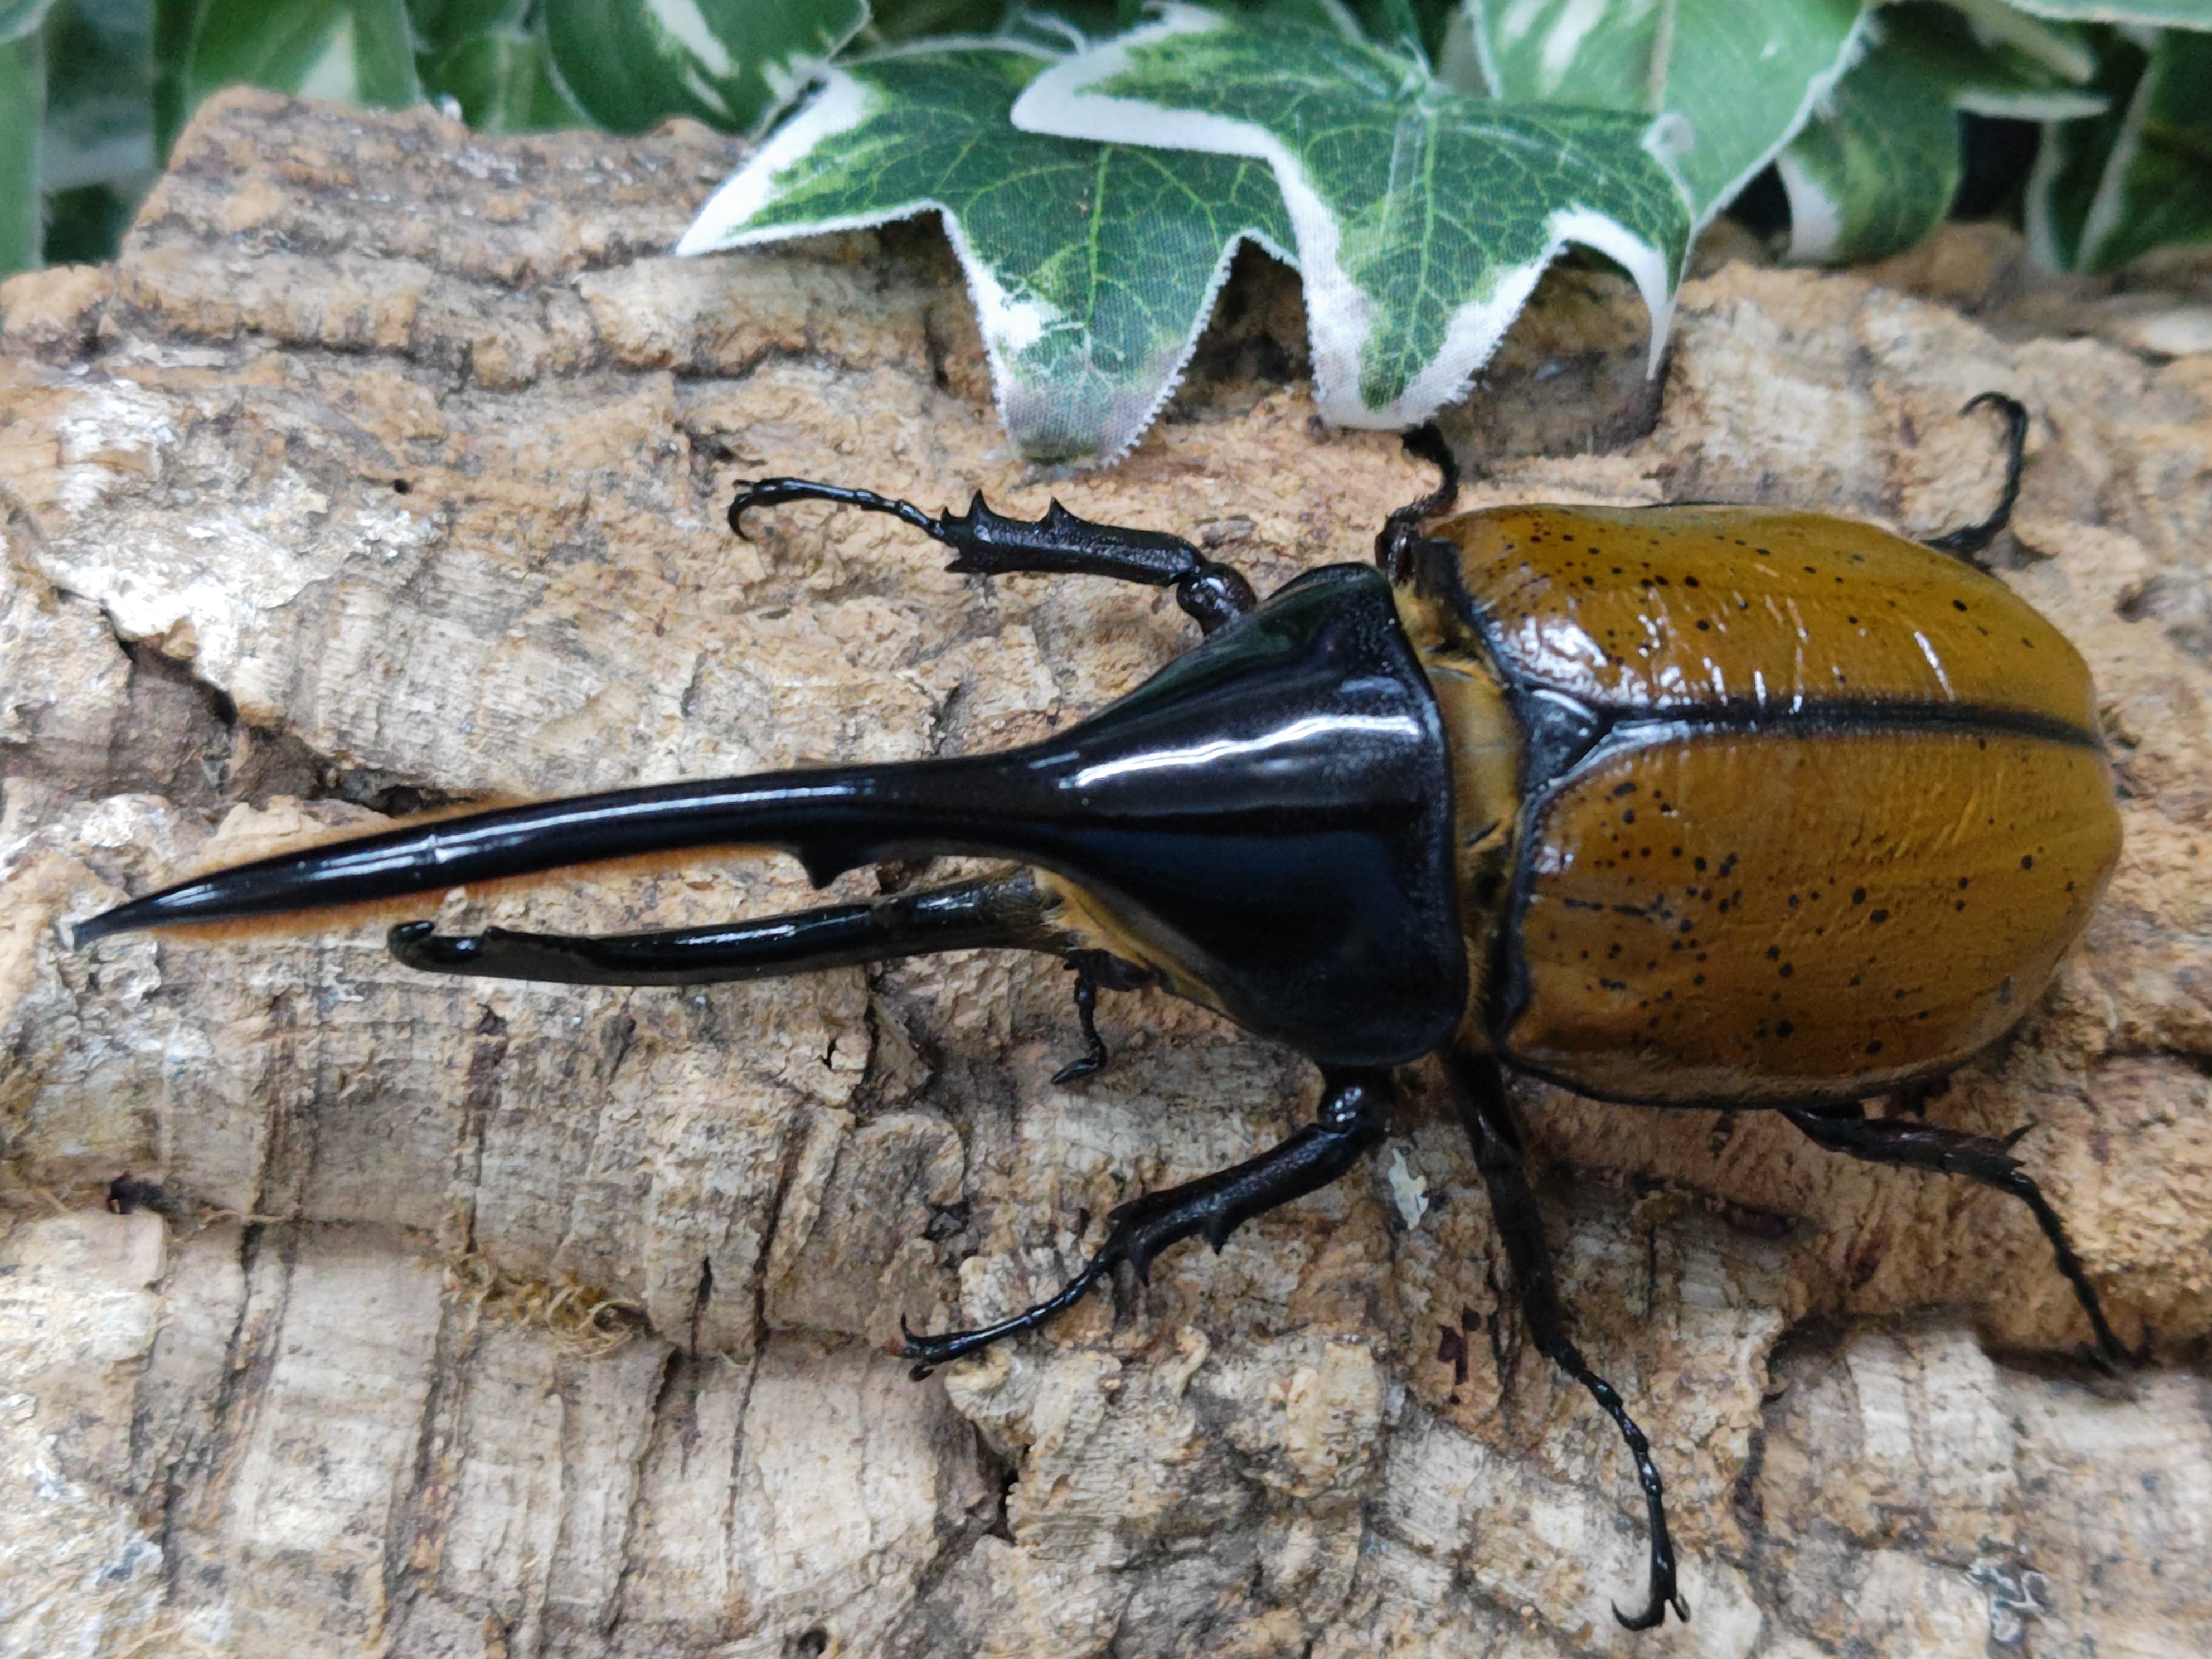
1672 805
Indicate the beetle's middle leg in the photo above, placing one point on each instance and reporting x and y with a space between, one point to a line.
1350 1121
1481 1097
1916 1145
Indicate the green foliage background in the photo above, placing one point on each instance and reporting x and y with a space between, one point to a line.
1857 108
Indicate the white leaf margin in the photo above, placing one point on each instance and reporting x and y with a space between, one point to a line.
1339 315
1816 218
1009 324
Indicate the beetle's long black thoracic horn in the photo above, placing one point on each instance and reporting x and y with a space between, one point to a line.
1266 824
830 819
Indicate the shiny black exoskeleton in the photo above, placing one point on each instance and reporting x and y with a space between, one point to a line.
1308 822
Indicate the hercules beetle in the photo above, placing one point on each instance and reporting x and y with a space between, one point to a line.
1674 806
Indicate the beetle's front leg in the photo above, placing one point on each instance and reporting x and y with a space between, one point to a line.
1481 1097
1349 1123
988 544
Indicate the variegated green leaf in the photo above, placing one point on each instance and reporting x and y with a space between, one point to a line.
731 64
1739 77
356 52
1423 217
1093 266
2140 175
2155 13
1874 172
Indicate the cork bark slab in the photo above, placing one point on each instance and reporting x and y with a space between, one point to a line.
385 469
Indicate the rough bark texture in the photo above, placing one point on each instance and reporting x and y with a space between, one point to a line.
385 469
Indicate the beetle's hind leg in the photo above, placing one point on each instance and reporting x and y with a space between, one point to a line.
985 543
1974 538
1350 1121
1918 1145
1481 1097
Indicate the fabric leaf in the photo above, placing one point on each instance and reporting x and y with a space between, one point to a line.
359 51
1423 217
1876 171
23 96
1093 266
2140 176
2169 14
1739 77
731 64
19 18
504 80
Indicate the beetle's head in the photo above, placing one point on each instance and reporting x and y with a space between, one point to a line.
1266 825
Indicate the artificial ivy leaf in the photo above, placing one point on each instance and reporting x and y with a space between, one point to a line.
732 63
441 24
1423 217
1877 171
893 21
1741 76
96 158
1093 266
1874 173
1405 26
503 81
2174 13
357 51
17 19
173 22
2138 177
98 125
23 97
